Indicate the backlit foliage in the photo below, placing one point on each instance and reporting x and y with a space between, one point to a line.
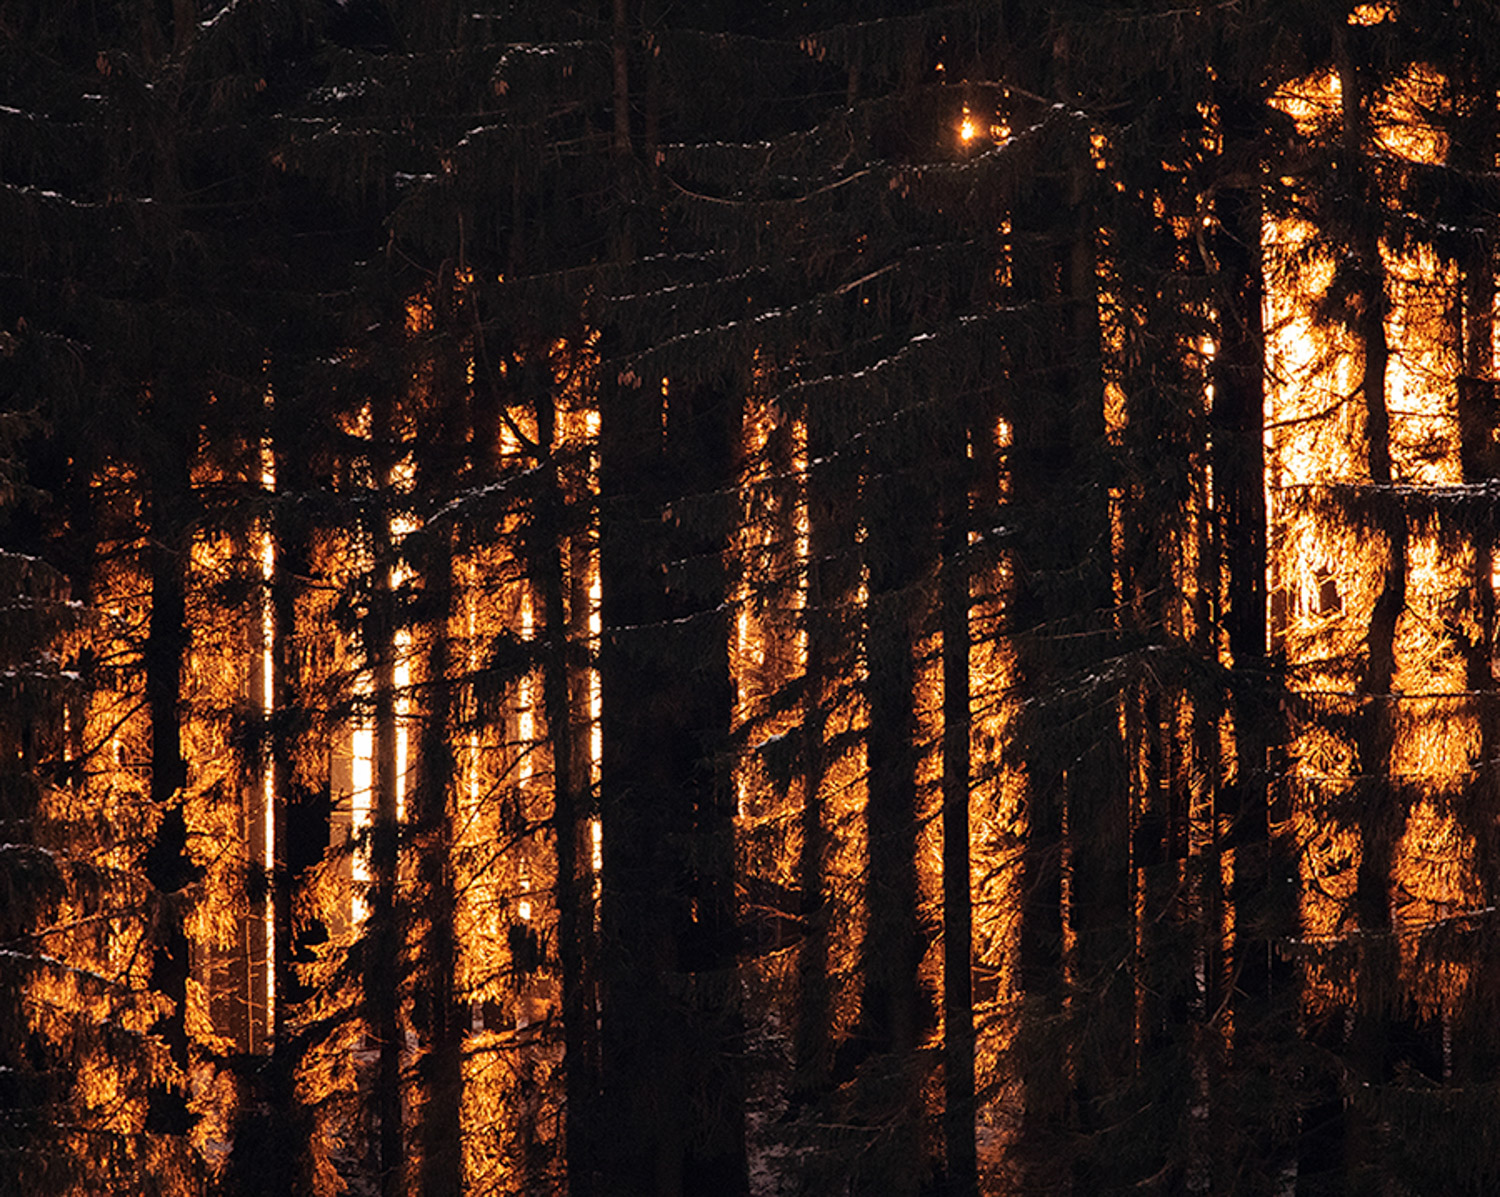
490 495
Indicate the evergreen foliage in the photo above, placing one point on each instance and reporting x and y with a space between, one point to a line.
747 598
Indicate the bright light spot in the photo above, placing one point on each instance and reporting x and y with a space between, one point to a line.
362 783
268 706
403 711
527 722
968 130
523 909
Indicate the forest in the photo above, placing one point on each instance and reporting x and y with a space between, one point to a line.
749 598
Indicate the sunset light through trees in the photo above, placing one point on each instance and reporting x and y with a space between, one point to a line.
746 599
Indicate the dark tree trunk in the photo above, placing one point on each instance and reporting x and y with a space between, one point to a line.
300 801
564 633
167 865
300 745
443 461
832 490
669 985
1474 149
1041 462
1060 611
1239 500
1262 897
894 1013
430 811
1382 809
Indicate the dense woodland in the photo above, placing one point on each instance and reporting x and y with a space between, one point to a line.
745 597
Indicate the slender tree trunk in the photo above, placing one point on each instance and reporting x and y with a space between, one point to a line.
669 985
300 750
442 1064
1474 149
1264 901
1382 814
300 806
1260 989
168 867
1063 594
34 751
962 1163
561 677
832 489
382 939
899 548
1098 792
246 998
1042 461
443 463
620 147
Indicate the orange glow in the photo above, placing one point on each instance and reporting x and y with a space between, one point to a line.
1327 571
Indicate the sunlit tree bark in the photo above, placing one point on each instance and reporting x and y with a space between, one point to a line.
381 945
1259 988
960 1157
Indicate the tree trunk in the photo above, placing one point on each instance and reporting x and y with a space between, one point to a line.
274 1115
899 524
1263 899
167 865
832 490
1062 598
1474 149
382 937
442 1063
562 677
961 1160
669 985
1356 1138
